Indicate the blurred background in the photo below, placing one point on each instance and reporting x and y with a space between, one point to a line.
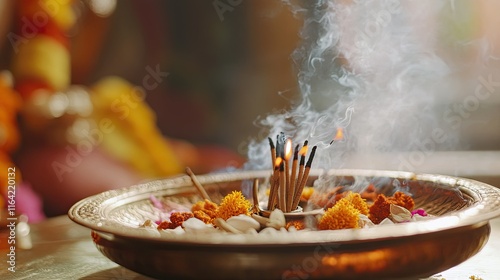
227 65
209 70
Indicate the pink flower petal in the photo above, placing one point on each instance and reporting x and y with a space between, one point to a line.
419 211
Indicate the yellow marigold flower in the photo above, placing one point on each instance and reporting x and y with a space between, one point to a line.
342 215
358 202
233 204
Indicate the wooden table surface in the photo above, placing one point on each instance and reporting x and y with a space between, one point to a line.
64 250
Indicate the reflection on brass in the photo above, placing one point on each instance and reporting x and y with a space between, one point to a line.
417 249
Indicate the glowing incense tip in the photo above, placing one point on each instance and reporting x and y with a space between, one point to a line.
303 153
288 149
303 150
339 135
277 162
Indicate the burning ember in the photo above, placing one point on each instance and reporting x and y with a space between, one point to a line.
339 136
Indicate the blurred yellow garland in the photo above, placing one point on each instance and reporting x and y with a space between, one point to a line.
111 114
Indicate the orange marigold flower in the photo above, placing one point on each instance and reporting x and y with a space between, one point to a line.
381 208
233 204
342 215
298 224
403 200
358 202
205 211
204 205
164 225
176 219
200 215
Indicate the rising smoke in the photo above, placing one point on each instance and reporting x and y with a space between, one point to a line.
370 67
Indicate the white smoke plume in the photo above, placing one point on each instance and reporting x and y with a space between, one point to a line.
369 67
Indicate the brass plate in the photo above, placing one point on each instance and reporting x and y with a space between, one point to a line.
418 249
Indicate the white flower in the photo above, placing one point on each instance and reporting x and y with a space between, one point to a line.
400 214
276 219
243 223
196 225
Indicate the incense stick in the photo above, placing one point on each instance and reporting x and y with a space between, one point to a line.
282 189
273 191
289 194
197 184
273 151
305 176
274 176
291 190
308 166
256 195
303 152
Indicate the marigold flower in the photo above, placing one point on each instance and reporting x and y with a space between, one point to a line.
205 211
233 204
341 216
403 200
380 209
298 224
176 219
200 215
358 202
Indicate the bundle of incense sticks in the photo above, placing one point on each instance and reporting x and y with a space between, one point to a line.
287 182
